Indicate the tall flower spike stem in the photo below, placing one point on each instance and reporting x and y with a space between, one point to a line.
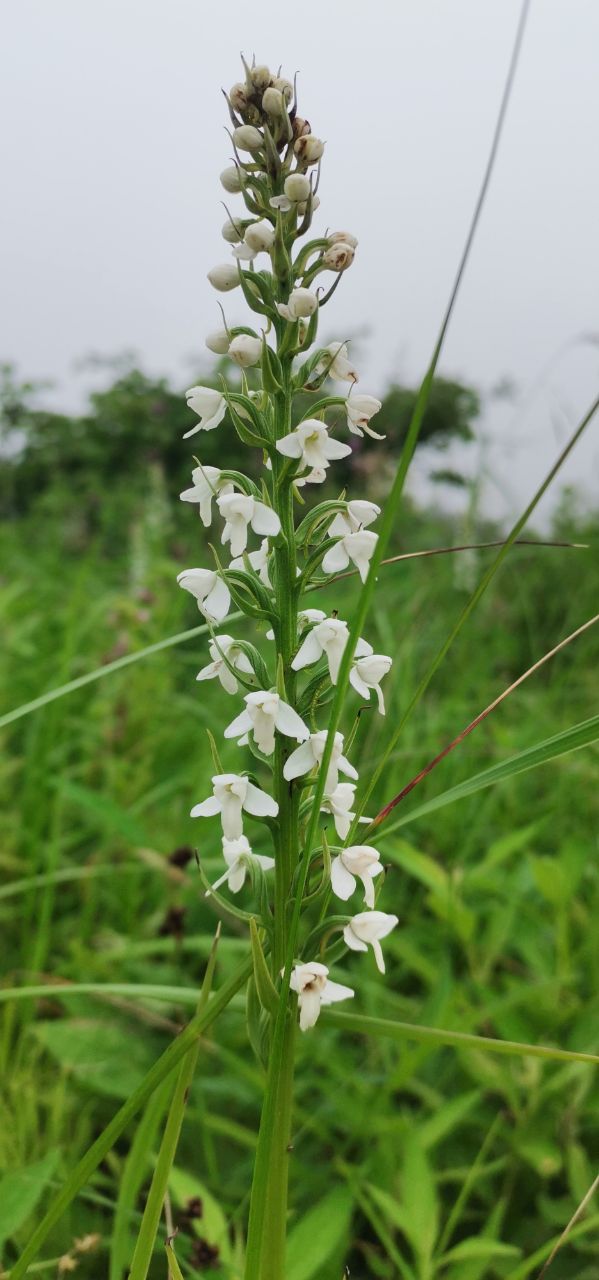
260 1218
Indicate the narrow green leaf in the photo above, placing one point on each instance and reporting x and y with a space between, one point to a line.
401 1031
131 1179
572 739
478 1247
318 1234
265 987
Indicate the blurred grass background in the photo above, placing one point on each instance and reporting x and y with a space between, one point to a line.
422 1162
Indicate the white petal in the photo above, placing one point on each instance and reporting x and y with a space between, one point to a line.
300 761
352 941
265 520
309 1005
378 955
216 604
259 803
347 768
342 881
290 446
336 559
210 672
335 449
308 652
227 679
206 809
358 684
237 874
240 724
289 723
335 991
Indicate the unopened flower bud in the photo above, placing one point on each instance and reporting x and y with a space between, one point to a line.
285 87
231 179
308 148
247 138
339 256
260 77
218 342
232 232
273 102
224 277
238 97
297 187
300 127
343 236
301 302
260 236
245 350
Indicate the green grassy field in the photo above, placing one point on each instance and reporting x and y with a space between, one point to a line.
409 1159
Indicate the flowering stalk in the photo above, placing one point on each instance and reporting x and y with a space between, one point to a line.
276 170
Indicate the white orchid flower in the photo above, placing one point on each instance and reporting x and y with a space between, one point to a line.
309 149
328 637
244 253
300 303
316 476
238 856
355 547
264 712
259 562
231 794
367 929
314 988
207 484
309 755
337 363
360 409
212 594
343 237
239 512
224 277
210 407
367 670
221 648
339 804
297 190
358 861
247 138
245 350
358 513
311 443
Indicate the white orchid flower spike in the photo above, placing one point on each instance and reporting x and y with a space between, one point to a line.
241 512
339 804
314 988
328 637
264 712
210 407
358 861
225 647
311 444
212 594
309 755
239 857
207 484
367 929
355 547
232 793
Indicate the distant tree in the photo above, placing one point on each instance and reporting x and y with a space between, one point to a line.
139 421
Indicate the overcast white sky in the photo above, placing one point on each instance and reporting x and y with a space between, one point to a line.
113 141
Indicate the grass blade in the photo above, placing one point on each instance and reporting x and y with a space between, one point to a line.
572 739
401 1031
96 1153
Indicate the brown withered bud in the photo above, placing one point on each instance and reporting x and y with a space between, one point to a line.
238 97
193 1208
309 149
173 924
338 256
300 127
204 1254
181 855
